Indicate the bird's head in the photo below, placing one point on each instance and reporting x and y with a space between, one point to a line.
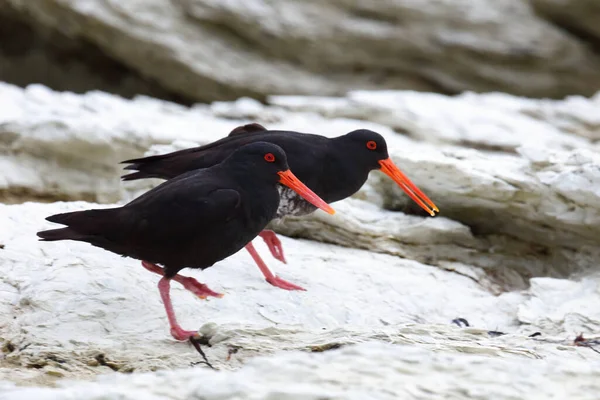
370 149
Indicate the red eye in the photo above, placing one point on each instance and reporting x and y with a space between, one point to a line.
269 157
371 145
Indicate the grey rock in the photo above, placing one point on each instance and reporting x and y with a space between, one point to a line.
578 17
210 49
35 53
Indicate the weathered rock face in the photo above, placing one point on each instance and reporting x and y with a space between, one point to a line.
72 310
386 372
210 49
35 53
515 250
528 183
579 17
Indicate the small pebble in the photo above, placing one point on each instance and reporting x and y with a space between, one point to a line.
54 372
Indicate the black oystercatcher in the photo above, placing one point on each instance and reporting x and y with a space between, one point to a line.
333 168
193 220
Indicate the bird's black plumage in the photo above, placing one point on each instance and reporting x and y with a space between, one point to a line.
194 220
333 168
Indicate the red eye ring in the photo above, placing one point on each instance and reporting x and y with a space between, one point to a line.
371 145
269 157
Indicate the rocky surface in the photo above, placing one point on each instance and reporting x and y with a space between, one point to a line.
210 49
35 53
385 372
515 250
578 17
520 177
70 310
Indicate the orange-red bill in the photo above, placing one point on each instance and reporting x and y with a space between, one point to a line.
390 169
288 179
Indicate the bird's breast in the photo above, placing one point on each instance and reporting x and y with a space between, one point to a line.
291 203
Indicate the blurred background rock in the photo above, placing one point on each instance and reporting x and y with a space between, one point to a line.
206 50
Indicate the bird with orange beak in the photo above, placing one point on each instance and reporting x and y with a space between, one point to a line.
193 220
334 168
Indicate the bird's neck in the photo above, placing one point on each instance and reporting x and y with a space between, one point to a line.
345 174
250 177
260 192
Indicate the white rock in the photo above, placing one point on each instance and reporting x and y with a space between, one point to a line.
546 193
496 122
67 146
373 370
64 303
512 251
498 263
561 305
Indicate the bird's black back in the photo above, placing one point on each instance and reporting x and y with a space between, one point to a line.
331 171
298 146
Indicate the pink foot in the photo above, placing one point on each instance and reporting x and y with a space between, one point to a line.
280 283
182 334
189 283
164 288
199 289
272 279
274 244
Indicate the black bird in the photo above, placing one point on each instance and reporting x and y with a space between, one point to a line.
333 168
193 220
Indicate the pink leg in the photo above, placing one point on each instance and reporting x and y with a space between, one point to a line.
189 283
199 289
272 279
164 287
274 244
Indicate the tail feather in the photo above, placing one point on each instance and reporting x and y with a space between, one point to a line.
52 235
83 223
91 221
148 167
132 166
104 228
137 161
95 240
137 175
166 166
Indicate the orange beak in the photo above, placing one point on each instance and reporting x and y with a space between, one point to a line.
390 169
288 179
